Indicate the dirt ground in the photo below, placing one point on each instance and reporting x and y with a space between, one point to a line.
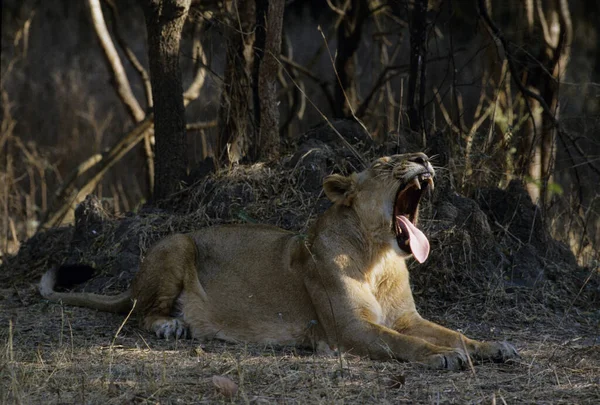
65 355
494 273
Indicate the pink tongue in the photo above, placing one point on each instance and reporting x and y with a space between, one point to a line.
417 239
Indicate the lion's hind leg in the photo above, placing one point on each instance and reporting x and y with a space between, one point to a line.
167 271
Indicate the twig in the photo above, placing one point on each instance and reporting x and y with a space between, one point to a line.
112 344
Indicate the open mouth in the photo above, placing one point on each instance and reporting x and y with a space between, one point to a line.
409 237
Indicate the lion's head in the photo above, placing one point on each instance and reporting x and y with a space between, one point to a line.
385 197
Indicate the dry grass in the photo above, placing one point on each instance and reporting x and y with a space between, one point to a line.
57 355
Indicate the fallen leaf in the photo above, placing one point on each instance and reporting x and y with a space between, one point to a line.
225 386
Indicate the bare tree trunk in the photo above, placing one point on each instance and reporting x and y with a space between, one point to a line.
348 35
418 53
164 23
236 121
270 20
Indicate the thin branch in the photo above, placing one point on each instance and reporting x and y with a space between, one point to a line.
302 69
322 83
547 36
445 113
201 61
67 196
114 61
338 11
197 126
383 78
54 217
114 15
121 80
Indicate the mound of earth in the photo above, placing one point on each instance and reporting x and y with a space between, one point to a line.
489 252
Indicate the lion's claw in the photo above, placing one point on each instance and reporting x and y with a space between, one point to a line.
498 352
448 359
171 328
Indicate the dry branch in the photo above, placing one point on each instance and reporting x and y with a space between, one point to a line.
120 77
69 196
199 56
143 73
114 61
196 126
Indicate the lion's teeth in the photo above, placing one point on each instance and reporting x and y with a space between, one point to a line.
416 183
430 182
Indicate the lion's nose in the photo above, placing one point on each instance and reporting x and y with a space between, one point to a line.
419 158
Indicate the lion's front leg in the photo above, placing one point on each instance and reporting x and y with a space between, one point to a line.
380 343
414 325
346 316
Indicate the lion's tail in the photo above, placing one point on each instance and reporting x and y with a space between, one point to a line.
108 303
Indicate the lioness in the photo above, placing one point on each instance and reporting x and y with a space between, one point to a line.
343 285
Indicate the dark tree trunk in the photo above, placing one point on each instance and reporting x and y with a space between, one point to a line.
349 34
269 25
164 23
418 53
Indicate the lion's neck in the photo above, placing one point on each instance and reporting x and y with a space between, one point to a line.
352 245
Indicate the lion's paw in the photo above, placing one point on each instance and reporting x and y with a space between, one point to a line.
447 359
498 352
174 327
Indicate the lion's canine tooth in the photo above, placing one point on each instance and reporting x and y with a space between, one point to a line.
430 182
416 183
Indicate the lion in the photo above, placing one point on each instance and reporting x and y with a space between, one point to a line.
342 286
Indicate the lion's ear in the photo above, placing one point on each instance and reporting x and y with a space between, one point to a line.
340 189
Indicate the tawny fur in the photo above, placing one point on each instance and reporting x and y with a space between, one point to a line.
344 285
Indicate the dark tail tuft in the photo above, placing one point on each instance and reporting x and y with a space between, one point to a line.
69 275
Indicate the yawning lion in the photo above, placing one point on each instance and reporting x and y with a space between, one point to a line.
343 285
